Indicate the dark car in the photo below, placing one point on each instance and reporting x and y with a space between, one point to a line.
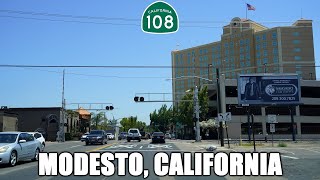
97 137
123 135
158 137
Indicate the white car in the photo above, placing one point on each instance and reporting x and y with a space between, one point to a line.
38 136
18 146
133 134
110 136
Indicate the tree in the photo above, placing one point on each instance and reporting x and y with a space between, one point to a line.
132 122
97 119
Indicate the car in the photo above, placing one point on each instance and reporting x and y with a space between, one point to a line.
158 137
110 136
38 136
18 146
84 136
122 135
168 136
97 137
133 134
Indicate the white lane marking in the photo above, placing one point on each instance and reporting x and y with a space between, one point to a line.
167 177
291 157
17 168
74 146
45 178
141 147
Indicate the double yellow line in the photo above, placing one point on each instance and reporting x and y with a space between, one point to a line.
101 147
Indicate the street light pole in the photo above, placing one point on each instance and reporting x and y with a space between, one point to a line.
219 107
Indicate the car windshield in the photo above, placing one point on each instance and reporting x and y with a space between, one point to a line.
96 132
8 138
158 134
109 133
133 131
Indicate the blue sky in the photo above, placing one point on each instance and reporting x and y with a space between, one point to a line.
44 42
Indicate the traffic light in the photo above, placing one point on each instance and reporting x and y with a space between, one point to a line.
136 99
109 108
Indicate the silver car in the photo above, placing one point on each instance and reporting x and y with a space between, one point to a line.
18 146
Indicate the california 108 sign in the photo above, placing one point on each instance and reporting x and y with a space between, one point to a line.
270 89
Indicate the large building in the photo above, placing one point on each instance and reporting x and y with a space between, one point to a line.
247 47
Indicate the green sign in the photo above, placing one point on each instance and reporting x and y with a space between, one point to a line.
160 18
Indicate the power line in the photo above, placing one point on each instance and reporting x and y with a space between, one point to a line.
96 75
130 67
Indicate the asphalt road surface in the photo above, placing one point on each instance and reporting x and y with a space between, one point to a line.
298 163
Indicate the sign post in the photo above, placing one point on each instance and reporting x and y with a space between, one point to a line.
272 130
225 117
272 119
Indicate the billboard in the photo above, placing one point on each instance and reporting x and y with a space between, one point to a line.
269 89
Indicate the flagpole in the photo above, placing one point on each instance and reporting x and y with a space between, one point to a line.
246 11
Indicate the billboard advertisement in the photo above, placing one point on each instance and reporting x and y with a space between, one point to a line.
268 89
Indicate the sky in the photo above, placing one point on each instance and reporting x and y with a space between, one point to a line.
30 39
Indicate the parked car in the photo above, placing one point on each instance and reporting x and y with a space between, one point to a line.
134 134
97 137
122 135
168 136
158 137
38 136
18 146
110 136
84 137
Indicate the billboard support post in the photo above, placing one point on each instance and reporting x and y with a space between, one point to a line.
292 124
254 141
249 124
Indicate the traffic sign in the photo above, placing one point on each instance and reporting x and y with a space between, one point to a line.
224 116
272 118
272 128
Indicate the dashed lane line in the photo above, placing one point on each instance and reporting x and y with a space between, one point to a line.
291 157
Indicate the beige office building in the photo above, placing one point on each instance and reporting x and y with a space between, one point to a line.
247 47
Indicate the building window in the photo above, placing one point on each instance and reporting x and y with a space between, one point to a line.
264 37
242 64
247 42
275 59
265 53
241 57
310 128
297 58
296 41
241 42
258 46
274 35
296 34
257 38
258 62
258 54
231 44
265 60
274 43
248 63
241 49
275 51
226 52
248 48
200 51
264 45
297 49
257 128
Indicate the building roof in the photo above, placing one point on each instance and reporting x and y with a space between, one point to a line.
82 111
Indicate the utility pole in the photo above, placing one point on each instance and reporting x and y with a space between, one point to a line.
62 119
219 107
197 113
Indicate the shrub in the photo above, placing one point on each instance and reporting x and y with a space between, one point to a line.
68 136
282 144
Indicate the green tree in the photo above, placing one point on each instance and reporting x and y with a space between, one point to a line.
97 119
132 122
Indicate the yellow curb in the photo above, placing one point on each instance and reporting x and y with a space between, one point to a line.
102 147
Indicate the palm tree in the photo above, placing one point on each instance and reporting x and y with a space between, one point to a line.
97 119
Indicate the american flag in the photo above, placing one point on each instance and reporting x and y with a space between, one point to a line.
251 7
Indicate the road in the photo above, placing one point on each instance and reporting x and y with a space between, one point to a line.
298 163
